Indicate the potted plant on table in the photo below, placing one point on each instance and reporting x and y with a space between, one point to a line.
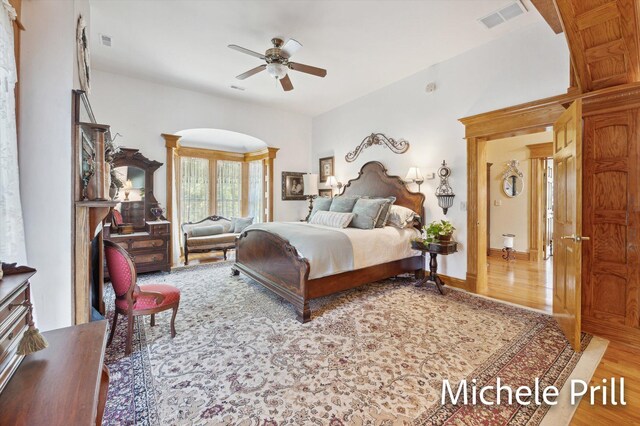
439 232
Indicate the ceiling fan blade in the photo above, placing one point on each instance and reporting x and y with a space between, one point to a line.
247 51
308 69
286 83
251 72
290 47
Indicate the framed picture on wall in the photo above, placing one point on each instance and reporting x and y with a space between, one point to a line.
326 193
326 168
292 186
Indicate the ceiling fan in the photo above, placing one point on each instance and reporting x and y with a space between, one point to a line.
277 62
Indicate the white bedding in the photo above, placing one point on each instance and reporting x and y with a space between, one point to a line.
370 247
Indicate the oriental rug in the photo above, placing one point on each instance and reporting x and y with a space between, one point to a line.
373 355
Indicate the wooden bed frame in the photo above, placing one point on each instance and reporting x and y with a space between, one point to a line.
277 265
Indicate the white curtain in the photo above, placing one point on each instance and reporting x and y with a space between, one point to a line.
229 189
194 189
12 244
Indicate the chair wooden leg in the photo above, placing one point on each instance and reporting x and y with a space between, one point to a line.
153 320
113 328
173 319
127 350
224 253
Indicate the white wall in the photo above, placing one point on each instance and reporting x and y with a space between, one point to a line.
141 111
512 215
47 76
529 64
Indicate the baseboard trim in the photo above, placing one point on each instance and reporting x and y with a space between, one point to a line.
614 332
455 282
520 255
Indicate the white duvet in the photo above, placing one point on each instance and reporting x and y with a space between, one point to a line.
370 247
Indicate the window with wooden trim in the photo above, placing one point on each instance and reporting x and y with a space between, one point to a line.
222 183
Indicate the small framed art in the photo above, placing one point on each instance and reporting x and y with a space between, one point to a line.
326 193
292 186
326 168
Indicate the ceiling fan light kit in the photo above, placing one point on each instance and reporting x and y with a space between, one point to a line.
276 70
277 62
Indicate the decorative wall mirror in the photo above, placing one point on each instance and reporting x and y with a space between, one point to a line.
136 197
512 180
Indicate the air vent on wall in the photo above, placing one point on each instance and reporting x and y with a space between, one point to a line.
105 40
502 15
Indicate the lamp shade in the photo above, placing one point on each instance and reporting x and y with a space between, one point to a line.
332 181
414 175
310 184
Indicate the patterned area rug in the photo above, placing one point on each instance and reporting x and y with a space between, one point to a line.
373 355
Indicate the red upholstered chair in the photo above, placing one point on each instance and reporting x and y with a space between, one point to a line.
133 300
117 217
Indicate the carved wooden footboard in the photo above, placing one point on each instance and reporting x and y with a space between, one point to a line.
275 263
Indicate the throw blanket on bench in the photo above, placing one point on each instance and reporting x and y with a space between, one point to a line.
328 251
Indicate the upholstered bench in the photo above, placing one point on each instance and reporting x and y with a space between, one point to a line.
214 233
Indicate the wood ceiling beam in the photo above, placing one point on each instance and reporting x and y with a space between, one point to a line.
603 40
547 9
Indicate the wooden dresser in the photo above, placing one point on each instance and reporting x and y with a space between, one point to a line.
149 248
14 291
64 384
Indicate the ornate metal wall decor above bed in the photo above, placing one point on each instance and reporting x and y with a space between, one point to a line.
399 146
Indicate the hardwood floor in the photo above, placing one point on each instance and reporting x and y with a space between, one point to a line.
618 361
530 284
523 282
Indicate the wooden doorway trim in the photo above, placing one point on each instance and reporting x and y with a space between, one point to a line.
538 153
532 117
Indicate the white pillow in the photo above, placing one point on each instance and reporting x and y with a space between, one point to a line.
401 217
332 219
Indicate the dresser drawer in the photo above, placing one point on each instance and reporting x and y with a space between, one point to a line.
8 310
10 335
159 229
147 244
144 258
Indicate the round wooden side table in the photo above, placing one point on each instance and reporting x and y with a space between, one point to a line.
434 249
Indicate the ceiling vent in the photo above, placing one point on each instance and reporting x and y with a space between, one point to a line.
503 15
105 40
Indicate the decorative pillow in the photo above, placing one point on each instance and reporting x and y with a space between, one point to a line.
239 223
343 204
367 212
332 219
401 217
321 204
203 231
384 213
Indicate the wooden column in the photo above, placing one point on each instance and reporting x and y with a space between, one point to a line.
172 143
476 214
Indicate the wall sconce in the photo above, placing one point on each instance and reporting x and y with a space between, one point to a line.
444 192
414 175
332 182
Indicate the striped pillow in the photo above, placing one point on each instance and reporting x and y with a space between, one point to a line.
332 219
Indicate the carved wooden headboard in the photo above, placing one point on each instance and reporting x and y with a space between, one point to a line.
374 181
